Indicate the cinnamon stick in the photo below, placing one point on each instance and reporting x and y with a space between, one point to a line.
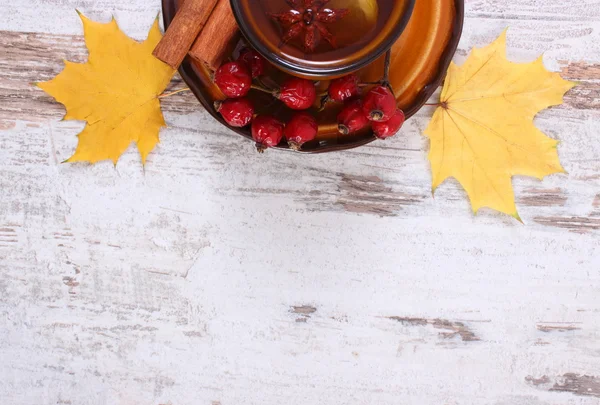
181 34
218 37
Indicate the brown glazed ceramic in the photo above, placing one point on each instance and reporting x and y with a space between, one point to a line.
420 59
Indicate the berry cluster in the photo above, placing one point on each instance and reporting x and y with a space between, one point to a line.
377 108
235 79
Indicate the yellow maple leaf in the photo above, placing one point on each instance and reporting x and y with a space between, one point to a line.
115 92
483 133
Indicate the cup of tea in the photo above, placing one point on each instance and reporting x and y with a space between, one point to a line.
322 39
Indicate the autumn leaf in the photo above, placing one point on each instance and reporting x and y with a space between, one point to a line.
483 133
115 92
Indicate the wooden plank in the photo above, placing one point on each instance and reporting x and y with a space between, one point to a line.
367 194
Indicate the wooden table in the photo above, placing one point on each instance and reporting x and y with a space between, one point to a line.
219 276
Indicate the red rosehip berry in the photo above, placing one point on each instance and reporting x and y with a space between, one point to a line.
379 104
352 118
300 129
383 130
234 79
267 131
254 61
237 112
297 94
344 88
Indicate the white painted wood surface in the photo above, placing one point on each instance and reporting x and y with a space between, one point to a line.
218 276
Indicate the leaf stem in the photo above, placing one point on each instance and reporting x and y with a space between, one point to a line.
165 95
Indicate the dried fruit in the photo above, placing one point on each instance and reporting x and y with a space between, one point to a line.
300 129
237 112
254 61
234 79
309 17
379 104
344 88
267 131
297 94
352 118
383 130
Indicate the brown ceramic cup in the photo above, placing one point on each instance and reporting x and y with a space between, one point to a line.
420 58
367 30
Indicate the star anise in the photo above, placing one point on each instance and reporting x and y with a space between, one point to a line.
307 19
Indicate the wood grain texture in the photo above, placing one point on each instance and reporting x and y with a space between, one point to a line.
218 276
